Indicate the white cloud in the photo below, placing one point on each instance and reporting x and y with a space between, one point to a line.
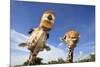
17 58
93 53
23 54
60 44
82 56
80 53
53 54
16 35
16 39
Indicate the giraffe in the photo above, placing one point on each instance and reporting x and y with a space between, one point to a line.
39 36
71 38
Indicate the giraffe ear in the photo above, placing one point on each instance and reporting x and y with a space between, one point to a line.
31 30
47 35
65 37
22 44
79 36
60 38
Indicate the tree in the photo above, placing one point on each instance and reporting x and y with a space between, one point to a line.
53 62
59 61
91 59
37 62
25 63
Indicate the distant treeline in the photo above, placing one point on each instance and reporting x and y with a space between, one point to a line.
59 61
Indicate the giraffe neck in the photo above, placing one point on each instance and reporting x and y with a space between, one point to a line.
70 55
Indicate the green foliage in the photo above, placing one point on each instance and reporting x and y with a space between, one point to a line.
37 62
25 63
52 62
59 61
91 59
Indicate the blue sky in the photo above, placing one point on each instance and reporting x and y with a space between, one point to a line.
26 15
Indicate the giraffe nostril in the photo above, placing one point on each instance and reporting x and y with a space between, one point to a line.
49 17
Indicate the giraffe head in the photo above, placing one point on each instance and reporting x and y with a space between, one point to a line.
71 38
47 20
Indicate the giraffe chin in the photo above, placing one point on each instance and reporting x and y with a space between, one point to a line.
72 46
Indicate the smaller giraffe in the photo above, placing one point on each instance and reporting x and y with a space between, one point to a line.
71 38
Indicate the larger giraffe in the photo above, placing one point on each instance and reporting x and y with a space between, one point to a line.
39 35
